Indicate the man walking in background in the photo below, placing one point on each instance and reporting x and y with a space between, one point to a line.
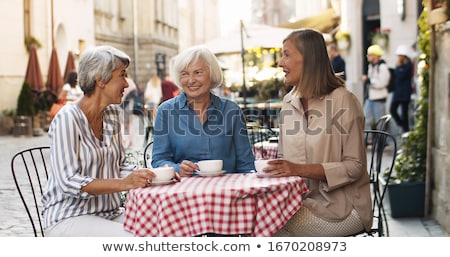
337 61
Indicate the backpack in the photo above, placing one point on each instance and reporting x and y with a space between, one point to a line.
391 83
138 106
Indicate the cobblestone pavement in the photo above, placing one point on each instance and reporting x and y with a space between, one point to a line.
15 222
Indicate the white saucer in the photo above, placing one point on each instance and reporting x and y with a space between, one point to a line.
210 174
164 182
263 174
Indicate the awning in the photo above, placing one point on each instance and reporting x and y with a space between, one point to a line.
255 35
324 22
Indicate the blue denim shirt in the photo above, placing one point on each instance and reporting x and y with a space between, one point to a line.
179 135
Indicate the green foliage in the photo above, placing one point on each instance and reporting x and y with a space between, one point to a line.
44 100
25 104
30 40
268 89
9 112
410 165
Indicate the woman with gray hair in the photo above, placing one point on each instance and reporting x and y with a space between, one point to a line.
86 178
198 125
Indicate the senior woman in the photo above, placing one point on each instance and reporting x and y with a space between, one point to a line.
83 193
198 125
321 140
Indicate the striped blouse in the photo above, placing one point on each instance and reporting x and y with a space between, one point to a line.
77 157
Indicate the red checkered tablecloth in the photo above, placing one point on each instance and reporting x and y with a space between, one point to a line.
230 204
265 150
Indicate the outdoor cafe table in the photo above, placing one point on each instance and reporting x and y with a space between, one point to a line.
231 204
265 150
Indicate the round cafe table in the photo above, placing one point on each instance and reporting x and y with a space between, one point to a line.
265 150
231 204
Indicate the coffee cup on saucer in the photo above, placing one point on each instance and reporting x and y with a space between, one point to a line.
165 173
261 164
210 166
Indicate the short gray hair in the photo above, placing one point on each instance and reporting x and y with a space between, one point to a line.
193 54
99 63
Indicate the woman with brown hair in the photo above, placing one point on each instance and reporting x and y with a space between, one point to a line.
321 140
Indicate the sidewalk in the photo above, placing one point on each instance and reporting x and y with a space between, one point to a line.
16 223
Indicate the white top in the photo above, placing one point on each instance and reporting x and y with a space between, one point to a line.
153 94
73 93
77 157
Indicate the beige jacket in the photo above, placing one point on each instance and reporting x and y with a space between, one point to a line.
333 137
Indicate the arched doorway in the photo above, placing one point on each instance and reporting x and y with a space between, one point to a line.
371 22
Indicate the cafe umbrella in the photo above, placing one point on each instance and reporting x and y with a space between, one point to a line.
54 78
33 75
70 65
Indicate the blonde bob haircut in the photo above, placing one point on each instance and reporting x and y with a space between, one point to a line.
193 54
318 77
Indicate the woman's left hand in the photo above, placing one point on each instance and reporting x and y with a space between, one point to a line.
281 168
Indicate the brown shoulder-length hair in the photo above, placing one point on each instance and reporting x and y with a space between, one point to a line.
318 77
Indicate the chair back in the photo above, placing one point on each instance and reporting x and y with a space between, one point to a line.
147 154
383 122
381 160
30 173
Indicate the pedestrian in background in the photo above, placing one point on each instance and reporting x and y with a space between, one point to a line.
169 89
71 91
337 61
127 107
153 95
403 87
375 82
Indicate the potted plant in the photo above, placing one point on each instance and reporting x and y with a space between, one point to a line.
7 122
43 102
25 112
407 190
343 40
381 38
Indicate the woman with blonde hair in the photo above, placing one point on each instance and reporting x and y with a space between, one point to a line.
153 92
152 97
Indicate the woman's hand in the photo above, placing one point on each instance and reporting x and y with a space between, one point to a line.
187 168
281 168
138 178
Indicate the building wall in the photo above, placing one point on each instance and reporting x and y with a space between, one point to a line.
152 30
73 23
440 162
13 54
401 31
198 22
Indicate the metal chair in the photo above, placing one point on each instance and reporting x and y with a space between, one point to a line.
383 122
380 166
146 149
29 170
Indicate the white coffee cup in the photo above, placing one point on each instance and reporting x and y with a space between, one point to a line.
261 164
210 166
163 173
